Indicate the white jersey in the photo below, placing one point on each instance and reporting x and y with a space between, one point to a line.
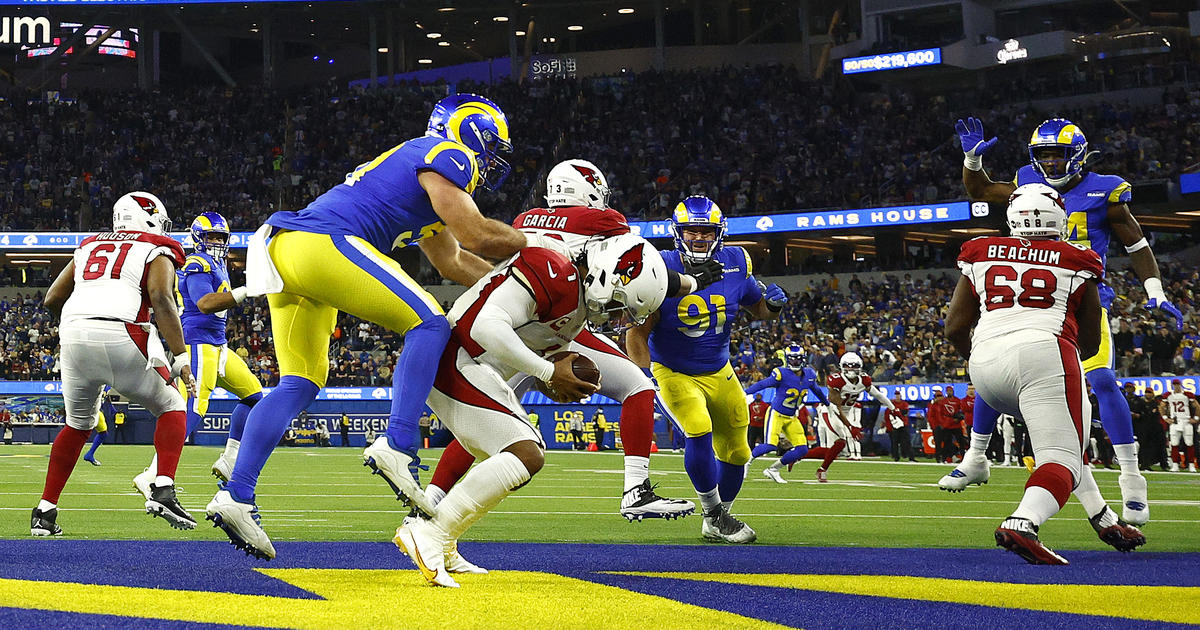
1025 285
110 276
538 295
574 226
1179 407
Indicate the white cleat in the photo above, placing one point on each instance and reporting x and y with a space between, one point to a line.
241 523
1191 468
773 475
1134 499
142 482
1174 467
425 543
223 468
969 472
393 466
455 563
641 501
720 526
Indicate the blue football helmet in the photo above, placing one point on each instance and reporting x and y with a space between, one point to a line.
210 235
698 212
1058 150
795 357
479 124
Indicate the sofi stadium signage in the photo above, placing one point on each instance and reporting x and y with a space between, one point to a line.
892 61
34 31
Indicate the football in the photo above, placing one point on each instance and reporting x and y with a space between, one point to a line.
584 368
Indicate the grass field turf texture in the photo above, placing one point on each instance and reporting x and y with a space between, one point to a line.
878 546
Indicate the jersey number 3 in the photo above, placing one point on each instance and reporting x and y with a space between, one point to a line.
1037 287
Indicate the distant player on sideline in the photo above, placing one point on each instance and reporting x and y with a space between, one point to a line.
1182 410
1033 302
105 296
1097 208
531 307
686 344
577 213
207 296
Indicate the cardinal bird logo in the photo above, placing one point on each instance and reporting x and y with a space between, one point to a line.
146 203
587 173
629 265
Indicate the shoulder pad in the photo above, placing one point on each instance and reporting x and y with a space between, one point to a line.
453 161
551 278
196 263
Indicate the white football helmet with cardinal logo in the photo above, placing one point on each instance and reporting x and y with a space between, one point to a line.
576 183
625 275
141 212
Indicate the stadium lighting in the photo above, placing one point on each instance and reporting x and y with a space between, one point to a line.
625 11
443 43
447 5
500 18
575 27
519 33
382 49
433 35
425 61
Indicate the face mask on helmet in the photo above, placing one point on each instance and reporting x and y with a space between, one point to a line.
699 229
1057 151
481 126
210 234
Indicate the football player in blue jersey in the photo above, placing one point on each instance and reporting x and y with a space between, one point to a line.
686 346
789 384
333 256
1097 210
106 410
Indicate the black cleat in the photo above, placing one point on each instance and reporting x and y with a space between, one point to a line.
162 502
641 502
42 523
1121 536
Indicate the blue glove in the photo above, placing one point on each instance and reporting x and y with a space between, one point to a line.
775 297
1154 303
970 134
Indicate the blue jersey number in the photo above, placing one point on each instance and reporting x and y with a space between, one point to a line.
694 314
1077 229
791 396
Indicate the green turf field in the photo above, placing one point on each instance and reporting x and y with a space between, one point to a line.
326 494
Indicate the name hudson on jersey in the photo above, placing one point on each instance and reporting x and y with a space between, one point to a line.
1023 254
544 221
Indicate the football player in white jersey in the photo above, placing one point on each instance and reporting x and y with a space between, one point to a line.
577 213
1033 302
105 296
506 325
1181 409
845 388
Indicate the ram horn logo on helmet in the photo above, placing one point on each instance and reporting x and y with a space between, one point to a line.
587 173
629 265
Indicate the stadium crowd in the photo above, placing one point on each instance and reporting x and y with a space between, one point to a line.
761 139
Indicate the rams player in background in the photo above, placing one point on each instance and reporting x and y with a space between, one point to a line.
106 410
686 346
332 256
1097 209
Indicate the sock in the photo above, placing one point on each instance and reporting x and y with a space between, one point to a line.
979 445
637 429
480 490
169 434
153 467
265 426
1114 409
1126 455
163 480
700 462
434 494
730 483
46 506
796 454
762 449
1088 493
97 440
709 499
984 418
237 420
778 465
231 448
833 453
453 464
1045 493
637 469
63 455
413 380
1175 454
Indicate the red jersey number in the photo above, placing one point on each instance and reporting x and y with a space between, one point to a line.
98 261
1037 287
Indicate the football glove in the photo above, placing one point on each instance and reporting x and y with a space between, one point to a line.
1164 304
970 135
856 433
706 272
775 296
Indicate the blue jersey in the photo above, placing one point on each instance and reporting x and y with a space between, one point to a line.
381 201
1087 213
202 274
692 334
789 389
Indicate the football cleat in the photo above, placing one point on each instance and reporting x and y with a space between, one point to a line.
1191 467
720 526
821 476
1019 535
240 521
162 502
223 468
455 563
398 469
1121 535
142 482
971 472
425 543
641 502
1136 505
91 459
42 523
773 475
1174 466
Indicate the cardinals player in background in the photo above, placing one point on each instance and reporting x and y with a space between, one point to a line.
577 213
1034 304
